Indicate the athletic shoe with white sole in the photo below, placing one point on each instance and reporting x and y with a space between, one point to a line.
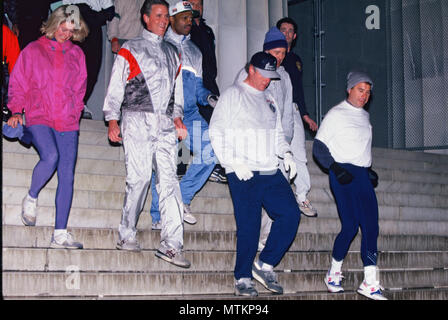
64 241
374 291
267 278
129 245
29 211
156 225
307 209
333 282
245 287
188 216
173 256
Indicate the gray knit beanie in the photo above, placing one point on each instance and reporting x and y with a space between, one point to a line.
355 77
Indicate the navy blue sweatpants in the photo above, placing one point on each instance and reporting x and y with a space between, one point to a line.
273 192
357 207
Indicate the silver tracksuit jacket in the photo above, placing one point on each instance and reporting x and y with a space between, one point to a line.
142 91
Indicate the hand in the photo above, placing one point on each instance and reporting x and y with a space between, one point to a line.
115 46
242 171
181 129
212 100
290 165
373 177
313 125
114 132
14 119
342 175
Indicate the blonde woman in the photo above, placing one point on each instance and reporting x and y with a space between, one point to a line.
48 83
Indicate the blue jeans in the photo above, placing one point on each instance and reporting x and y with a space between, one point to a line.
272 192
357 207
199 169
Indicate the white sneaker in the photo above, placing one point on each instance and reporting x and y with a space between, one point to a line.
333 282
157 225
188 217
307 208
173 256
29 211
64 241
374 291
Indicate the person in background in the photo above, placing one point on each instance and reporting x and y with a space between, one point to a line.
10 53
48 83
202 35
251 162
204 160
96 13
343 145
126 23
143 92
294 66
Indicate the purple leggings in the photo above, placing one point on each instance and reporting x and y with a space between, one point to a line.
57 150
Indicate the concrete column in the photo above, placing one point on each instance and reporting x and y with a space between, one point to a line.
232 40
257 25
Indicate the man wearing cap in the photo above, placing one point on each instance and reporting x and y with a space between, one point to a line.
247 137
294 67
343 145
142 93
204 160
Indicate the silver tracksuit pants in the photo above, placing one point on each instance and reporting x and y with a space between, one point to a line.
149 141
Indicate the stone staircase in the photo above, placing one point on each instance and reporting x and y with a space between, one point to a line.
413 242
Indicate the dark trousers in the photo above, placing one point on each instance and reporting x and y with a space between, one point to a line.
357 207
272 192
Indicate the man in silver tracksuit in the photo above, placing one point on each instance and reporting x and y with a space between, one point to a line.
143 81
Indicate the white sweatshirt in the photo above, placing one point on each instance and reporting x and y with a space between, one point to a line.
246 128
347 132
281 91
128 25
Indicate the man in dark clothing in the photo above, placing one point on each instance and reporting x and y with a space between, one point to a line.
294 66
202 36
29 19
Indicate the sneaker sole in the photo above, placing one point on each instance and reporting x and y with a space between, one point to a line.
128 249
367 295
237 293
260 279
26 223
167 259
309 216
191 222
59 246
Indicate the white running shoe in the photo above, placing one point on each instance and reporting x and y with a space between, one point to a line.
157 225
333 282
173 256
188 216
29 211
307 209
64 241
374 291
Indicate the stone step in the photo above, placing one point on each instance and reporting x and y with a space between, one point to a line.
217 301
74 283
39 237
110 218
103 151
391 205
101 175
100 260
392 180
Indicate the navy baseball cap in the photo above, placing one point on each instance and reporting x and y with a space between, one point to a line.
265 64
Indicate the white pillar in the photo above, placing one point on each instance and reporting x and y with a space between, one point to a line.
257 25
232 40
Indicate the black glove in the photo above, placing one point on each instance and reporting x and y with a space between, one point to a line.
343 176
373 176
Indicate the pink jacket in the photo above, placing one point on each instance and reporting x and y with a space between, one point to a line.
49 83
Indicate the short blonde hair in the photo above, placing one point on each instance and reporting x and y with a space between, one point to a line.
61 15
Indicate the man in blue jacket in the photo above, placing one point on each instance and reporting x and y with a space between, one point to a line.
204 160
